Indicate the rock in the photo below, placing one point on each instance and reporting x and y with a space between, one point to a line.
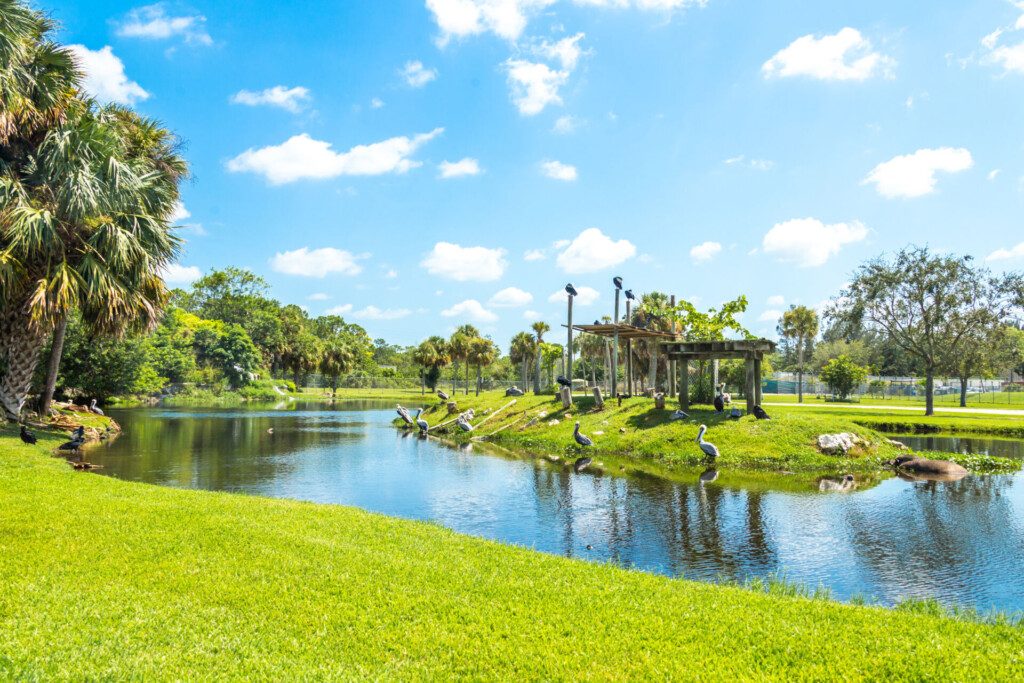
552 423
622 430
453 407
599 433
839 444
552 458
542 413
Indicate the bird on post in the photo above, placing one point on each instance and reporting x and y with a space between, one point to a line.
617 281
563 381
570 290
710 449
629 295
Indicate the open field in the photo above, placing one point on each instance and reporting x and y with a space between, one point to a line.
638 434
1000 400
108 579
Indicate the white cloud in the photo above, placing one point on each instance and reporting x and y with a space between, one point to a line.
770 316
913 175
457 169
755 164
534 85
416 75
559 171
176 274
464 264
561 244
994 173
470 309
289 99
567 51
808 242
585 296
374 313
461 18
705 251
1008 56
531 315
592 250
315 262
564 125
1015 252
511 297
302 157
534 255
343 309
845 56
776 300
153 23
104 76
376 103
318 296
180 213
391 274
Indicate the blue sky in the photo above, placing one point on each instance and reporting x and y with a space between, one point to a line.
404 162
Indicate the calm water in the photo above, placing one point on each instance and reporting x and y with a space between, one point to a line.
961 542
951 443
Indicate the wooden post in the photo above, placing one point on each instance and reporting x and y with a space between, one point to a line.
757 381
598 399
615 347
749 391
629 353
672 363
569 347
654 364
684 384
566 394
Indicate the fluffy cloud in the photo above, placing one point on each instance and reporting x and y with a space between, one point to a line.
343 309
1015 252
845 56
319 296
511 297
808 242
289 99
315 262
532 315
470 309
558 171
755 164
566 51
153 23
913 175
533 85
585 296
1008 56
416 75
302 157
534 255
461 18
181 275
705 251
180 213
564 125
776 300
374 313
592 250
457 169
770 316
465 264
105 78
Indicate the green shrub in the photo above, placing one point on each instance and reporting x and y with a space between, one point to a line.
842 376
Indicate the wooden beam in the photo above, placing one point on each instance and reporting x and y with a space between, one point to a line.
684 384
749 391
757 381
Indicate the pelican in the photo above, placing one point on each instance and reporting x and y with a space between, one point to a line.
404 414
421 423
443 396
582 440
719 401
735 414
760 414
710 449
570 290
27 436
678 415
617 281
464 424
94 409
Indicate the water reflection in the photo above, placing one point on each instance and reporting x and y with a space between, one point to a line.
976 445
961 542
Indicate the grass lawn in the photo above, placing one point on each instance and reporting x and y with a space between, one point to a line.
636 434
998 400
900 421
110 579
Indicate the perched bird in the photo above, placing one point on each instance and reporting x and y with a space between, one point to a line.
735 414
597 322
404 414
421 423
617 281
563 381
94 409
443 396
27 436
760 414
710 449
580 438
630 295
570 290
679 415
464 424
270 431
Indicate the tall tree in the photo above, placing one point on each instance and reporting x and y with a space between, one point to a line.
482 352
539 328
432 354
521 350
800 324
927 304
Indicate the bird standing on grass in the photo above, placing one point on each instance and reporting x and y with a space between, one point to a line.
27 436
760 414
443 396
710 449
719 401
735 414
679 415
421 423
463 424
94 409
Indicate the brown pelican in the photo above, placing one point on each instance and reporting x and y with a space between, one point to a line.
421 423
94 409
580 438
404 414
710 449
443 396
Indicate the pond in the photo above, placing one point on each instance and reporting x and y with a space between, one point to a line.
960 542
954 443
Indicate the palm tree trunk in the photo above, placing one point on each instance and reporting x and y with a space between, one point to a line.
56 350
467 379
536 377
20 344
478 380
800 371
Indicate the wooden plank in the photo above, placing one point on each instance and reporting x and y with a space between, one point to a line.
757 381
684 384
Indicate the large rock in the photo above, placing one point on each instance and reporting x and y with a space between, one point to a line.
839 444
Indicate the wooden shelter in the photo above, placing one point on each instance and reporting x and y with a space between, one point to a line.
752 351
628 333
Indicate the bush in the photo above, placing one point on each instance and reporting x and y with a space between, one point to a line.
843 376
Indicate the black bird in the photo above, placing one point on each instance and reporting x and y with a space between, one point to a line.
570 290
760 414
27 436
597 322
629 295
719 404
617 281
562 380
72 445
443 396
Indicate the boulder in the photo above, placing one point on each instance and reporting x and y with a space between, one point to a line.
839 444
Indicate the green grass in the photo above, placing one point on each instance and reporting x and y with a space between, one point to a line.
903 422
105 579
999 400
635 434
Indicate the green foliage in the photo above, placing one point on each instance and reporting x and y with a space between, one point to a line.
101 367
843 376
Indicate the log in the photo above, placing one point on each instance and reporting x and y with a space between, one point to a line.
481 422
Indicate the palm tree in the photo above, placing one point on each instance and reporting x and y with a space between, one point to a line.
592 348
801 324
539 328
521 350
469 333
337 358
432 354
482 353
